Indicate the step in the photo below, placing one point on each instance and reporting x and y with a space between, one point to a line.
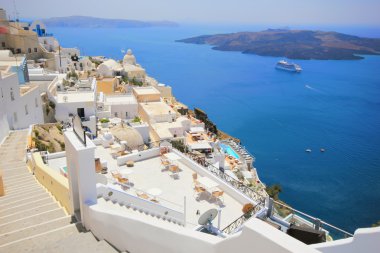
22 191
24 182
16 178
35 242
3 164
34 230
30 212
76 243
14 172
25 206
104 247
20 194
26 200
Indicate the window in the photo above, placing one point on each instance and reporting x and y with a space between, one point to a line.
126 115
3 44
35 50
36 102
12 95
15 117
116 114
29 50
26 110
18 51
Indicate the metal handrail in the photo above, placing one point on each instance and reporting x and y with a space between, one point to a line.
236 224
249 192
314 218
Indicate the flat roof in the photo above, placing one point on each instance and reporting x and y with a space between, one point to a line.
150 173
120 99
146 90
75 97
157 108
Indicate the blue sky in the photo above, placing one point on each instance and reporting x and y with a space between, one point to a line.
282 12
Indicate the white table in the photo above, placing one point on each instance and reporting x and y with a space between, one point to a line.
207 183
155 192
172 156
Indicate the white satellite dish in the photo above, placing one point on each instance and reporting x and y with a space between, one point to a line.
208 217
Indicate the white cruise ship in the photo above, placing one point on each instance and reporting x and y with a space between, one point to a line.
284 65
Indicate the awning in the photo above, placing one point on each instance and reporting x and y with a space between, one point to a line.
197 129
200 145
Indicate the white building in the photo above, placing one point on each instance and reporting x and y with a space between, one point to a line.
79 99
110 68
21 104
122 106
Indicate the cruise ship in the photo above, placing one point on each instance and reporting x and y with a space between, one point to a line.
284 65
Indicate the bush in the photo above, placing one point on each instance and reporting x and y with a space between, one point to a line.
104 120
247 208
274 190
177 144
136 120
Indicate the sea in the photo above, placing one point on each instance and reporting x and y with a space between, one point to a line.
332 104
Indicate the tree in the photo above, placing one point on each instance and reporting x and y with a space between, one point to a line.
274 190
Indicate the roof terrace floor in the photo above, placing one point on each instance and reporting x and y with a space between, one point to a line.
150 173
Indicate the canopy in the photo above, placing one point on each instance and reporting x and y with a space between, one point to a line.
197 129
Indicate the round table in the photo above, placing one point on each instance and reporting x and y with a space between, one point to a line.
155 192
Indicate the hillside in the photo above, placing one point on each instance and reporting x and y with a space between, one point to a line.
92 22
293 44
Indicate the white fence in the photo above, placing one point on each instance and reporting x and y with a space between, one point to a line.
110 192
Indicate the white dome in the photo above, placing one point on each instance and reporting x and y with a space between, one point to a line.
129 58
130 135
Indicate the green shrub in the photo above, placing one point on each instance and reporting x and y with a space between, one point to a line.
104 120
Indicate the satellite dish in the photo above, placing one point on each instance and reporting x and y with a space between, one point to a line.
208 217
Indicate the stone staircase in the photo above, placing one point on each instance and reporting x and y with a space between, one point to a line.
31 220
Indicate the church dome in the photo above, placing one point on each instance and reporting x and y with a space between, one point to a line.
130 135
129 58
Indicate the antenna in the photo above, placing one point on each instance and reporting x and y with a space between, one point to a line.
208 217
15 10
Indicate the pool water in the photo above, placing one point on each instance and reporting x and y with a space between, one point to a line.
227 149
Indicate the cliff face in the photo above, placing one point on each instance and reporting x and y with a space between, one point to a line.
293 44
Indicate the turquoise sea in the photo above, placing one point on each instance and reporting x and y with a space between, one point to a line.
332 104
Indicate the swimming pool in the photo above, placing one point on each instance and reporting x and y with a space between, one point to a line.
227 149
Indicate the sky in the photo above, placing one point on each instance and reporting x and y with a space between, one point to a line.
281 12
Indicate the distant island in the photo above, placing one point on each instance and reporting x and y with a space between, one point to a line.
293 44
93 22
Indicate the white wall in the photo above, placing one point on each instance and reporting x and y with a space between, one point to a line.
62 110
21 111
134 233
143 155
141 205
121 110
143 129
365 240
4 126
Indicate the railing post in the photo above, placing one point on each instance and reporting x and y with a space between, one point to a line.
270 207
184 211
317 224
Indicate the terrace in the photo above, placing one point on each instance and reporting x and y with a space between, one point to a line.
174 189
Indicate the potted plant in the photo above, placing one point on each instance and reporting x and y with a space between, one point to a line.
247 210
104 122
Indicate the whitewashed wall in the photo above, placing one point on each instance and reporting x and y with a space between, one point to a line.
365 240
